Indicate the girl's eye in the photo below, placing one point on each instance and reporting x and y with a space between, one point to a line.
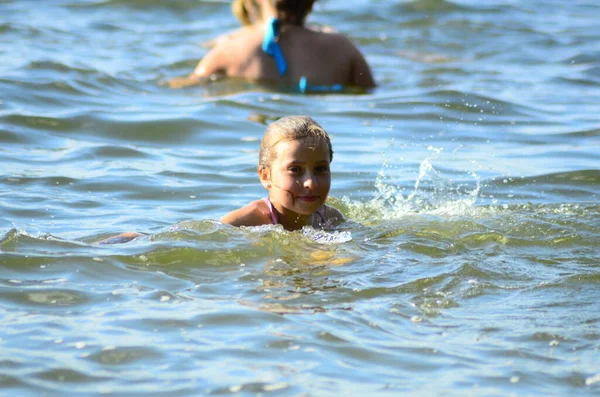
294 169
323 168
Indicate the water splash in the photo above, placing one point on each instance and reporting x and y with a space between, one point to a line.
431 193
324 237
319 236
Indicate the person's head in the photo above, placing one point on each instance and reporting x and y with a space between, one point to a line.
293 163
292 12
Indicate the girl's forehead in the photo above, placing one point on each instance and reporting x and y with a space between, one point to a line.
308 145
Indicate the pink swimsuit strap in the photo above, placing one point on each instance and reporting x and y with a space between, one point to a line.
273 212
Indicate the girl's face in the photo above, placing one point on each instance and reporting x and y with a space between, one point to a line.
299 178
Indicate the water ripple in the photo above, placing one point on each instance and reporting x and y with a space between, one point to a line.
469 177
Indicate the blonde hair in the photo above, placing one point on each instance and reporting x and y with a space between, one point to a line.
289 128
238 8
293 12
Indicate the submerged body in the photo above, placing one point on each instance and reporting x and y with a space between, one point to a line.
263 212
322 58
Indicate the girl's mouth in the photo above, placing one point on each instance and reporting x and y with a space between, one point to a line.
309 199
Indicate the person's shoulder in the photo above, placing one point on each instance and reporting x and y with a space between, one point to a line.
224 37
239 33
332 215
361 75
242 36
252 214
228 48
229 52
335 38
340 45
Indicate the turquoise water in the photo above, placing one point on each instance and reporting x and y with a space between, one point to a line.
471 177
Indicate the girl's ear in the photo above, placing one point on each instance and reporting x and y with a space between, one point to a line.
265 178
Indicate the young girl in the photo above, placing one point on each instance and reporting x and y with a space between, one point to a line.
281 50
293 165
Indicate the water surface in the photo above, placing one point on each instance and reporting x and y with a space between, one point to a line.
470 177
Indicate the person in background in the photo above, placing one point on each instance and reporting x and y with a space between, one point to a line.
277 48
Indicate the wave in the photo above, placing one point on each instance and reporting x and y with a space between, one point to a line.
135 127
11 137
563 133
569 179
171 4
192 241
588 57
53 66
440 6
447 105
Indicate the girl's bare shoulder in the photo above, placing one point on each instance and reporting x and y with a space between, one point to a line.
252 214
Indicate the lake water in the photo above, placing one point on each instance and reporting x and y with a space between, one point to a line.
470 176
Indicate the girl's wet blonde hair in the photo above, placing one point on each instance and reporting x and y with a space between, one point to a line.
289 128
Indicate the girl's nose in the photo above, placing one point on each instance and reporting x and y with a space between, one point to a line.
310 182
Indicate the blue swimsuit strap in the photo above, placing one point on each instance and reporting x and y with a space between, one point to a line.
271 46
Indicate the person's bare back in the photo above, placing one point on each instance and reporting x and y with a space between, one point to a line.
321 58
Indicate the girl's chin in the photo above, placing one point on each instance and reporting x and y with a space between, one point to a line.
307 209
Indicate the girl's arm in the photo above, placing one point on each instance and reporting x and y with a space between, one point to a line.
120 238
